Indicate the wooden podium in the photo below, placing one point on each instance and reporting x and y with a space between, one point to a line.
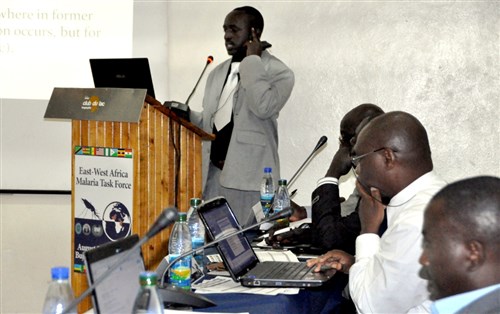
166 166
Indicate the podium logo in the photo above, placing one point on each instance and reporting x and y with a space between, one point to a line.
92 103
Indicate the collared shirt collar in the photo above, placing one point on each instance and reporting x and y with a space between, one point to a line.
454 303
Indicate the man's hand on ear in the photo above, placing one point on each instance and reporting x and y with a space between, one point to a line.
254 46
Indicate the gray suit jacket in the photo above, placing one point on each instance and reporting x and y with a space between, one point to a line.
265 85
487 304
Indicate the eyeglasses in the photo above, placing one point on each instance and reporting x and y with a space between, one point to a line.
355 160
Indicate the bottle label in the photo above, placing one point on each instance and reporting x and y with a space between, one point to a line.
180 272
198 255
266 200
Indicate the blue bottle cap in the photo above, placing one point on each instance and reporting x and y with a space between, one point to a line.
268 169
60 272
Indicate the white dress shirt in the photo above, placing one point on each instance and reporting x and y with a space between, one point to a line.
384 278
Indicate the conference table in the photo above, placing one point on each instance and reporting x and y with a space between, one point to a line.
319 300
325 299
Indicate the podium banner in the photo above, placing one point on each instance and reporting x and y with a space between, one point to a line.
103 190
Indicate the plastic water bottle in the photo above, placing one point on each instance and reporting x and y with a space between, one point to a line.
180 242
59 294
148 299
267 191
197 230
281 201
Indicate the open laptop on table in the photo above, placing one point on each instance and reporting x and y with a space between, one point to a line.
122 73
117 293
241 260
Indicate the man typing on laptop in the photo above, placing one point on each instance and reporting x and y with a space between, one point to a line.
240 258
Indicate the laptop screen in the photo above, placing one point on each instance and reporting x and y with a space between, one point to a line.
122 73
235 251
116 293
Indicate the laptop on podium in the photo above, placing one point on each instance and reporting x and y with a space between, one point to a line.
241 260
122 73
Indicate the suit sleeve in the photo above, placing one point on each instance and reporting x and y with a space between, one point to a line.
267 88
330 229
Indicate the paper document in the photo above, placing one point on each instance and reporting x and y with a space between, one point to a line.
227 285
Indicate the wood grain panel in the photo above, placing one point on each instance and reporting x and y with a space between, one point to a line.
157 141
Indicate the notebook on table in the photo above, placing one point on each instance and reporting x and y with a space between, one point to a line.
240 258
122 73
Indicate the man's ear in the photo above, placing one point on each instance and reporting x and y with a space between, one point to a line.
475 254
390 158
258 31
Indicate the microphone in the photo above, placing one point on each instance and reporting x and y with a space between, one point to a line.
320 144
210 59
166 218
163 268
182 109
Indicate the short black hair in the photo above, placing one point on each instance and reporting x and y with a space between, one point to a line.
474 204
255 18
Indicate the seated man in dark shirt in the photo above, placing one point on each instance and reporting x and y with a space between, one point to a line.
333 227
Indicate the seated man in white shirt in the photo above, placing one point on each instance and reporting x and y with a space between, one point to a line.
394 170
461 247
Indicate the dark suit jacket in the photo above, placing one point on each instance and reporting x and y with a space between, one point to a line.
487 304
329 229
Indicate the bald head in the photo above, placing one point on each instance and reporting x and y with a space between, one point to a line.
405 135
399 152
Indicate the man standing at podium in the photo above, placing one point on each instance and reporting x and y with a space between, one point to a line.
242 101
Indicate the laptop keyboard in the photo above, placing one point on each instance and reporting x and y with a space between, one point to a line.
286 270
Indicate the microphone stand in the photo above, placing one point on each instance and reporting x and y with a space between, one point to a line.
209 60
282 214
182 109
321 142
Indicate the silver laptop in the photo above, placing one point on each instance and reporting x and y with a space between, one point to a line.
115 294
241 260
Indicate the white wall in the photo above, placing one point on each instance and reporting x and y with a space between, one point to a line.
438 61
35 230
35 235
